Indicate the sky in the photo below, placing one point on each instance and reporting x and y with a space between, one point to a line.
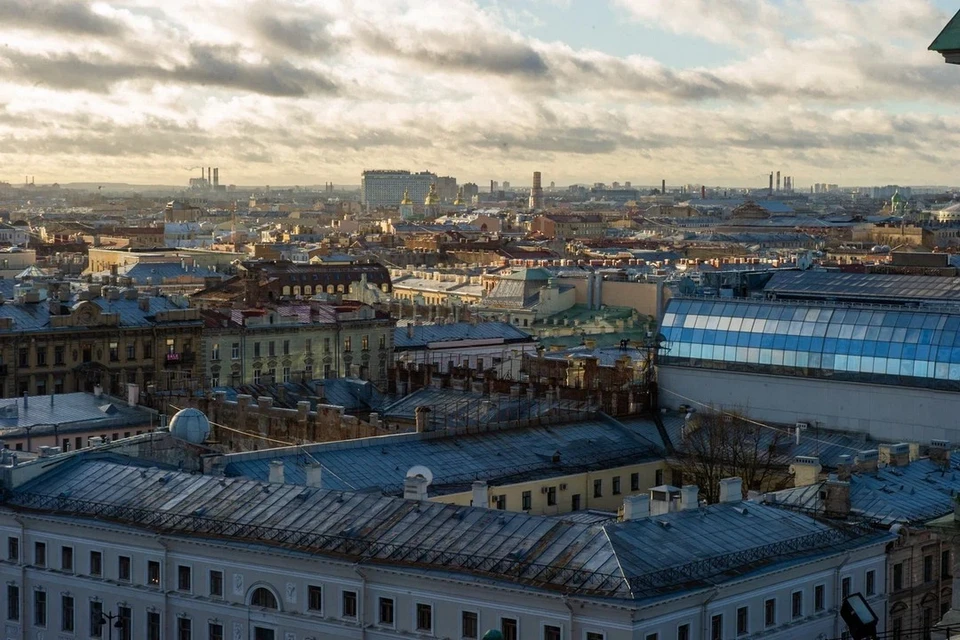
302 92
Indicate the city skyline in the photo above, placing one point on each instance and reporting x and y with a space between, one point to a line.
138 91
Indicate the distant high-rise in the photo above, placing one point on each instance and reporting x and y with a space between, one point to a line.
385 188
536 192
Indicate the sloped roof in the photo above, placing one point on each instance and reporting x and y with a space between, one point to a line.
425 334
949 38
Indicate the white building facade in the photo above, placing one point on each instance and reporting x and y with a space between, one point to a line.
385 188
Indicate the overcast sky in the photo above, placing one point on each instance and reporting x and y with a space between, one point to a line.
302 92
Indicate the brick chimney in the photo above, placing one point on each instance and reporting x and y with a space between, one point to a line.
423 419
836 502
940 452
895 455
806 470
844 467
867 461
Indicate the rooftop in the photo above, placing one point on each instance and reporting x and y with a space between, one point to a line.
949 39
500 456
424 335
867 287
635 560
66 410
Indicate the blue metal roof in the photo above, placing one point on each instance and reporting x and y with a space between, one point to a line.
427 333
35 316
503 456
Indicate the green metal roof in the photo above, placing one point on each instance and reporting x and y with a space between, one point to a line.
949 38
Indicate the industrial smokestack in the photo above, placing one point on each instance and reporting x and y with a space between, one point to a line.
771 183
778 182
216 177
703 192
663 187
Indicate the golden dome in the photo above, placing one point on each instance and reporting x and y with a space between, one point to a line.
433 198
459 201
406 197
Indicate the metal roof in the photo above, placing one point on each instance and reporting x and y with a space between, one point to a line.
869 287
427 333
949 38
911 494
502 456
640 559
35 316
68 409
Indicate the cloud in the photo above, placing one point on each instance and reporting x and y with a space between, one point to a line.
297 33
72 17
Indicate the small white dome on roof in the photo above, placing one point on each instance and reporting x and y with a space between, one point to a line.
190 425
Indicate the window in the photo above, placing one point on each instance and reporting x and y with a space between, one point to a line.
845 587
683 632
40 554
551 496
263 598
385 612
500 502
634 482
308 345
424 617
743 621
59 355
314 598
256 349
326 344
616 485
153 625
346 343
125 618
215 631
716 627
41 356
256 376
235 351
216 584
24 358
147 350
575 502
123 568
510 628
13 602
898 576
946 570
96 563
349 604
770 612
184 629
215 351
114 351
66 559
271 375
594 635
184 578
286 374
526 500
39 608
96 620
171 345
153 573
365 342
383 341
928 568
552 632
469 625
13 549
131 351
871 583
819 598
649 636
271 349
898 628
286 347
598 488
796 604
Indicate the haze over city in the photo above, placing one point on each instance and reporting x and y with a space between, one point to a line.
145 92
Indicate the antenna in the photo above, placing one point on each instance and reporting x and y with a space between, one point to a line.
422 471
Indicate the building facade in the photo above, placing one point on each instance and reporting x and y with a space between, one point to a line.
385 188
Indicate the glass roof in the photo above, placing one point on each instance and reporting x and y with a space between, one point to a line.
885 345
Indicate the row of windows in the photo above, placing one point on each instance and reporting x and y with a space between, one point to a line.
901 570
41 354
526 497
272 352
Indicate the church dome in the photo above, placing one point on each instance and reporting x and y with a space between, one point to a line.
433 198
190 425
406 197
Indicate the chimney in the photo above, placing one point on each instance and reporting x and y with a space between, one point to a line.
836 502
940 452
663 186
133 395
410 330
216 176
867 461
844 467
663 499
895 455
209 175
778 182
479 494
25 400
806 470
315 475
94 441
415 488
423 419
688 497
771 183
731 489
636 507
276 472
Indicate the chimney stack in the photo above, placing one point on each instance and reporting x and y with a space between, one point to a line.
216 177
731 489
844 467
636 507
867 461
940 452
276 472
895 455
315 475
837 500
663 186
805 470
688 497
778 182
423 419
479 494
770 188
415 488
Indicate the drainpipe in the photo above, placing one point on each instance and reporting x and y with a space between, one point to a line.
839 594
566 602
704 623
361 599
23 579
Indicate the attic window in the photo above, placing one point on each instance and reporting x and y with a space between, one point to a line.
109 409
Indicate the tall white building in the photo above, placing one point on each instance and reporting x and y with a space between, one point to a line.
385 188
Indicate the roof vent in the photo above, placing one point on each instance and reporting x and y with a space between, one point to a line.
664 524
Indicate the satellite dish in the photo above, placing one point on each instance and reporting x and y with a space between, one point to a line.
422 471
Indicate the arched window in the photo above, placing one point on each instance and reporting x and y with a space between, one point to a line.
296 290
286 290
263 598
329 288
307 290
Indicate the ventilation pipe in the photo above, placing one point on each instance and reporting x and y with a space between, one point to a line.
276 472
315 475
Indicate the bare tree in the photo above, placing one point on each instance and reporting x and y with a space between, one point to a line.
719 445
